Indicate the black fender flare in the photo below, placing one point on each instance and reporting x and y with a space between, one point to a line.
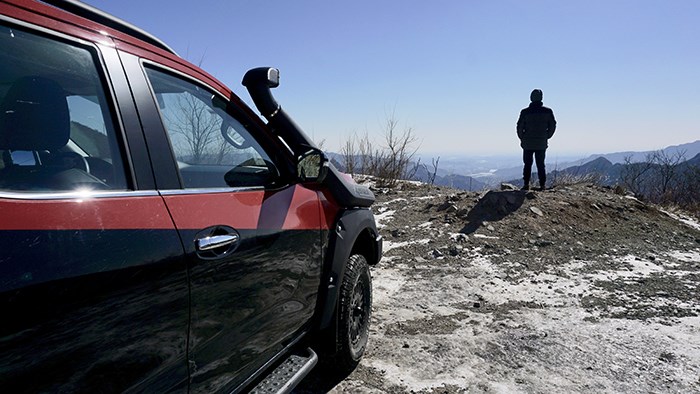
355 230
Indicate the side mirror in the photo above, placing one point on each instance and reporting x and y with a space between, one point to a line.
312 166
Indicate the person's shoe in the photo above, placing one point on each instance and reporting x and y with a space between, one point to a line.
525 187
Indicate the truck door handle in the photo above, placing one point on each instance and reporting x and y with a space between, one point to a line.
215 241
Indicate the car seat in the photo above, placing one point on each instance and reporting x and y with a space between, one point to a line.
34 117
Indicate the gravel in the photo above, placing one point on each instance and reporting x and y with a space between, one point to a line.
573 289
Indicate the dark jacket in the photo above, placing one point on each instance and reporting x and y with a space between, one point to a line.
536 125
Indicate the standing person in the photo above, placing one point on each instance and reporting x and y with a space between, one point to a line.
536 125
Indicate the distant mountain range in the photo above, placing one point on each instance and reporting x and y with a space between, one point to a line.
689 150
456 181
608 167
587 165
610 173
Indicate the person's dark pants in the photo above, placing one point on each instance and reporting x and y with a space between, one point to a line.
527 169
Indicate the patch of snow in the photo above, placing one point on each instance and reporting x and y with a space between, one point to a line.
388 259
383 216
693 255
541 289
643 268
684 219
485 236
559 332
640 267
388 245
386 282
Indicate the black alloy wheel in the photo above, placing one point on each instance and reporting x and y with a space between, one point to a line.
355 310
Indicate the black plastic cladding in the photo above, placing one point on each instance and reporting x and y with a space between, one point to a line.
348 230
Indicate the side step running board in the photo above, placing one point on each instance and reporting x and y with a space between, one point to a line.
288 374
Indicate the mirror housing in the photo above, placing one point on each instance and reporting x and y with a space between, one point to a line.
312 166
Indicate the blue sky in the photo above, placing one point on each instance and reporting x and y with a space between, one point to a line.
619 75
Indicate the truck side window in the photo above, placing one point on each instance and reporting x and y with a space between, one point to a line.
56 129
213 149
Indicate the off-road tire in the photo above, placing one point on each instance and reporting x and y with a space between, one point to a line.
354 312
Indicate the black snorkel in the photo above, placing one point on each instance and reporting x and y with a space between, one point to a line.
259 81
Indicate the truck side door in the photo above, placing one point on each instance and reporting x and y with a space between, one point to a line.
93 286
251 236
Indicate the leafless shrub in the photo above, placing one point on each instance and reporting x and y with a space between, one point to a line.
657 179
687 194
411 173
398 151
349 154
663 179
431 174
669 175
566 179
636 176
390 161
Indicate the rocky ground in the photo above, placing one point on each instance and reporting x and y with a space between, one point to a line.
574 289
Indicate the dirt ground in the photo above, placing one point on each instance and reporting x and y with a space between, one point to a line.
574 289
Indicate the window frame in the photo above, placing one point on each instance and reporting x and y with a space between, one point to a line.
100 54
279 156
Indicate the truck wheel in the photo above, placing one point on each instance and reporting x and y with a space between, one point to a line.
354 309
